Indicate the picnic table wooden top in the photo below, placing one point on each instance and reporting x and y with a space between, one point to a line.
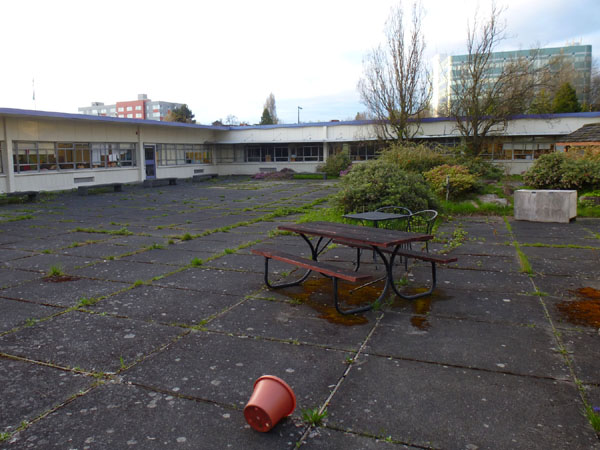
356 234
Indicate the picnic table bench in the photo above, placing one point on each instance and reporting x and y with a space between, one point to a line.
384 242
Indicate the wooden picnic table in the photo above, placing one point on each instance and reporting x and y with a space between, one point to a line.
384 242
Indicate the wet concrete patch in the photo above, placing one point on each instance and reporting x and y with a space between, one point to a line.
223 369
444 407
91 342
29 390
473 344
298 323
213 280
166 305
121 416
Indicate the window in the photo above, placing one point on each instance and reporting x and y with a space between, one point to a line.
308 152
363 151
129 108
73 155
138 115
129 116
113 155
34 156
138 107
180 154
121 109
43 156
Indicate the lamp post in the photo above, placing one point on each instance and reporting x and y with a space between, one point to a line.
299 108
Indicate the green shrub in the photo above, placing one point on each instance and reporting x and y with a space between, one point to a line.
335 164
461 181
481 168
378 183
418 158
546 171
561 171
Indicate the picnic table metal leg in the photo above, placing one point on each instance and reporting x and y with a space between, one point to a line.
282 285
391 279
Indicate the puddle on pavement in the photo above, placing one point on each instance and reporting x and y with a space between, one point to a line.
583 311
318 294
60 279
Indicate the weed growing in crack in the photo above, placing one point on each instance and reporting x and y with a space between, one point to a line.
56 271
313 416
196 262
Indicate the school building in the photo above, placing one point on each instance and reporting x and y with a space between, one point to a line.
49 151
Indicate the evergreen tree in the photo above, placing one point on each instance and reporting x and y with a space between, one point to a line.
541 104
565 100
266 118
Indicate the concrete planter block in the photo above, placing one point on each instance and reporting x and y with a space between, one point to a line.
545 205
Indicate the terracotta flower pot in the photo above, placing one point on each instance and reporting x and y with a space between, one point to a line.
271 400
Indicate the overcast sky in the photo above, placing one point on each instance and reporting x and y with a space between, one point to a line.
225 58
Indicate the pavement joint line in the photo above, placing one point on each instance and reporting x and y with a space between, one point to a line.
26 424
182 396
344 375
380 438
459 366
565 354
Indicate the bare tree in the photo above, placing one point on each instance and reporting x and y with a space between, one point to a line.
484 94
271 108
396 88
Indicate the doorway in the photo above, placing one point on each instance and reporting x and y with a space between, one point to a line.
150 161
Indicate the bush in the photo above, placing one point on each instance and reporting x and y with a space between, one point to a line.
461 181
417 158
561 171
378 183
335 164
481 168
546 171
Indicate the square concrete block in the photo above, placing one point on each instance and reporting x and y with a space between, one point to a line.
545 205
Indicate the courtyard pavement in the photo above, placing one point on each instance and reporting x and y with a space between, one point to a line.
139 319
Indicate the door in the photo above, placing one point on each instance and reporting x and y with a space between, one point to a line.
150 160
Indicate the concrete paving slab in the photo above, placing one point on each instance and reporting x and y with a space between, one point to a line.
44 262
443 407
580 254
29 390
12 277
228 282
11 254
166 305
171 256
496 307
14 313
221 368
563 286
473 344
88 341
476 280
44 243
562 267
483 248
322 437
59 291
487 262
101 250
294 323
121 416
124 271
583 347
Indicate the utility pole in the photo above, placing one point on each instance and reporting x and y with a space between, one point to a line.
299 108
